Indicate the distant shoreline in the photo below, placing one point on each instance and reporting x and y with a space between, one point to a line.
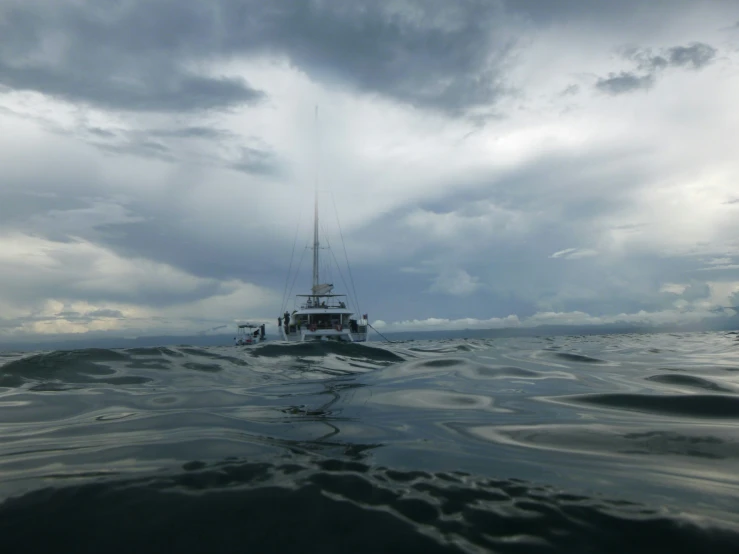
77 342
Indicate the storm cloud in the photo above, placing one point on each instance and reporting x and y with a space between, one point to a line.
624 82
695 56
486 163
143 56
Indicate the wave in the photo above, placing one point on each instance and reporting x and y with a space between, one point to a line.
54 370
694 405
335 505
689 381
70 366
72 369
656 427
323 348
611 440
580 358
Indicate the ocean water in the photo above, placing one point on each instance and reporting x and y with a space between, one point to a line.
622 443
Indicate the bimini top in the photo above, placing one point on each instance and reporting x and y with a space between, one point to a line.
248 326
320 295
323 310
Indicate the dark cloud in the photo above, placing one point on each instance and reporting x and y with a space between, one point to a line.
694 56
209 133
646 60
556 203
552 202
624 82
634 14
563 188
163 144
103 133
106 57
163 237
502 262
76 279
433 54
105 313
78 317
446 56
256 161
697 291
550 11
629 227
144 148
157 227
155 90
17 206
169 144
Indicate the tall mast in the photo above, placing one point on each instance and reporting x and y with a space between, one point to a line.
315 215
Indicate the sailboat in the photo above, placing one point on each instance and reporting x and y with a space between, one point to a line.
322 314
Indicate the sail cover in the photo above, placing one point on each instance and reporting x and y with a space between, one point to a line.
323 289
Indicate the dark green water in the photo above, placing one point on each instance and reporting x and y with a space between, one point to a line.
572 444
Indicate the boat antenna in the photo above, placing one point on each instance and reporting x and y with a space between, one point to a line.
315 214
289 269
346 256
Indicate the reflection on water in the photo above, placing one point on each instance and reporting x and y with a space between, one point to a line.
606 444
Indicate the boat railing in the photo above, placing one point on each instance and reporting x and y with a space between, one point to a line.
324 306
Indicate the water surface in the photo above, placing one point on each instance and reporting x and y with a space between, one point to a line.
572 444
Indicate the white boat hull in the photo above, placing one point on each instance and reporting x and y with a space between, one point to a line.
247 342
305 335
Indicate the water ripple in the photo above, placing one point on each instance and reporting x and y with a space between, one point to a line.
574 444
339 506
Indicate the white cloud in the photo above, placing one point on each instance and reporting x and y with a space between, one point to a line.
174 217
641 318
455 282
674 288
720 261
574 253
434 324
719 267
76 287
562 253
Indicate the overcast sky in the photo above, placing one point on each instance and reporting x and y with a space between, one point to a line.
492 162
